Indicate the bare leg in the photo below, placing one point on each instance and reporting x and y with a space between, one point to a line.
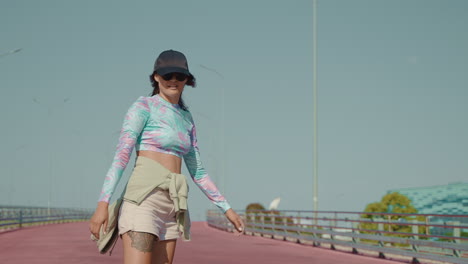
138 247
163 252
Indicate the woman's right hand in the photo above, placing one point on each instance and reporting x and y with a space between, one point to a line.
99 218
236 220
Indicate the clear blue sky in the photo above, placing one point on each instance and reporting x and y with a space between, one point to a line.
393 93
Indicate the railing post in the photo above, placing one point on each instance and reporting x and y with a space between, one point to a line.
273 223
285 230
415 231
427 225
315 234
262 222
389 220
456 233
356 240
334 219
299 218
330 227
21 218
380 227
299 223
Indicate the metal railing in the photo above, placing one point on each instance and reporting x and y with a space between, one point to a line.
417 236
12 218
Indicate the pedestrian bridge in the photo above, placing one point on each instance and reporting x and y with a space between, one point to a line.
69 243
39 235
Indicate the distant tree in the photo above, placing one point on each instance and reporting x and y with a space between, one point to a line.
253 210
254 207
396 204
377 207
391 203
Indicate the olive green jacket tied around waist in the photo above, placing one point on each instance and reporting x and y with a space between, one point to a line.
148 175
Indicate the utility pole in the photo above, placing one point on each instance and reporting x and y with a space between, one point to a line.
314 17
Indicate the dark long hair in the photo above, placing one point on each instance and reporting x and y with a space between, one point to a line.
190 82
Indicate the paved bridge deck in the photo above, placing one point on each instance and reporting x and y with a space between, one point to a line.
69 243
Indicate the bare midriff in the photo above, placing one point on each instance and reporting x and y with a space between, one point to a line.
170 162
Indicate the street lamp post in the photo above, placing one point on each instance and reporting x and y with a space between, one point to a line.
49 116
314 17
222 163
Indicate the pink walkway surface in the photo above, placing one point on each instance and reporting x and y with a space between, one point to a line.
69 243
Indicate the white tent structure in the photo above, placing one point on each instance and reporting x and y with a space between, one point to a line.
274 204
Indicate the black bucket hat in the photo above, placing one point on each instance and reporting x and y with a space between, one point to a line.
171 61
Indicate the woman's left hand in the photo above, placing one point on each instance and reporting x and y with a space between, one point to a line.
236 220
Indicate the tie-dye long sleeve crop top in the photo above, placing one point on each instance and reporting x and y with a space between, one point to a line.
154 124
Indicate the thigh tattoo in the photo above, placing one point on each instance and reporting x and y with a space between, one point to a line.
142 241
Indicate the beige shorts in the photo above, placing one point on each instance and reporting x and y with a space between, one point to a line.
154 215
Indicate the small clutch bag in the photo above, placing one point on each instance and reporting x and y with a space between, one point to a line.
106 242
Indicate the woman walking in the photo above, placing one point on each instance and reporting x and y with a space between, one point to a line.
161 129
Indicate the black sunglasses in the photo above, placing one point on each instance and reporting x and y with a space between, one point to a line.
179 76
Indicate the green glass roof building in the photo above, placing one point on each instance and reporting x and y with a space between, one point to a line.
451 199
